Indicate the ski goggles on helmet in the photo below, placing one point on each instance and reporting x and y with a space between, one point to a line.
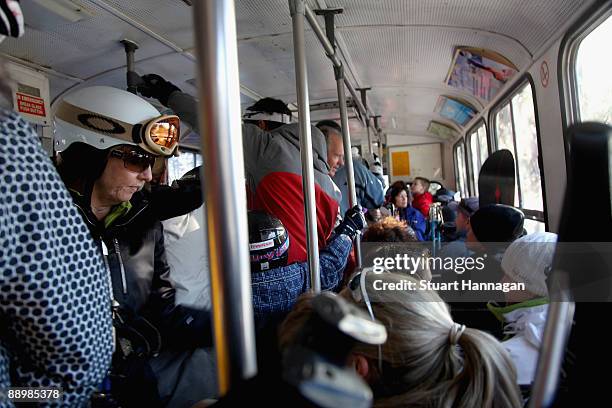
159 136
134 160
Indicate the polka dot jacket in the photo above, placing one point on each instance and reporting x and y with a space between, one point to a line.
55 315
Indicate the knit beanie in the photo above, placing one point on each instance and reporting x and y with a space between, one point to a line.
529 259
497 223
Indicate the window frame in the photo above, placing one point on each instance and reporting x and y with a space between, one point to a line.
468 140
460 143
526 79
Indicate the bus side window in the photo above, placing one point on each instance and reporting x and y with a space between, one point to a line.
515 129
477 153
179 165
592 74
460 168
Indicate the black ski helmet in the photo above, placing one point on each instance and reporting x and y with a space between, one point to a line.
268 241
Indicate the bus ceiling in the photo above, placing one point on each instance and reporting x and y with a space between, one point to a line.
404 51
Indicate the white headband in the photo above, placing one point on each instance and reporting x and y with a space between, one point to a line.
274 117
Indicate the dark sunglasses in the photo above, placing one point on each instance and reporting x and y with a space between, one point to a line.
134 160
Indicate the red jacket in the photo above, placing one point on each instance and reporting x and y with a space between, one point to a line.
274 183
422 202
280 193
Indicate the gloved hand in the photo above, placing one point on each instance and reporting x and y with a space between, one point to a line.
353 222
154 86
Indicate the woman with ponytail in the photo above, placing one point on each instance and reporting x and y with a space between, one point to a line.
428 359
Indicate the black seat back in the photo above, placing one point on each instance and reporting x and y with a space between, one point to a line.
582 266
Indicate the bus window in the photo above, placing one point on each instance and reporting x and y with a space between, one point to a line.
505 139
503 123
179 165
527 149
515 130
593 83
479 151
460 169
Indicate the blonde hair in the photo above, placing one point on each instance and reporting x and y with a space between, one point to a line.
421 365
477 372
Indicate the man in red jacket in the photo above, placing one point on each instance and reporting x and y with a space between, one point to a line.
422 198
271 149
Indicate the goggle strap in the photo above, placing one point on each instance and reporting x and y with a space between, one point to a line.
137 133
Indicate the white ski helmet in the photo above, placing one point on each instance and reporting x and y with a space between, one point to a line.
103 117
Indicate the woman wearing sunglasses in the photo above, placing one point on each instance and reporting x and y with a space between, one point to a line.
428 359
108 141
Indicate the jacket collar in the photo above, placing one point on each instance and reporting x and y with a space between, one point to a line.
500 312
117 212
120 214
527 322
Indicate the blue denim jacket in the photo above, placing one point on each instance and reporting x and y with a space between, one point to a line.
276 291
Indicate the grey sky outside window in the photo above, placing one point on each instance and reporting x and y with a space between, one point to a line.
177 166
483 146
503 132
478 152
462 176
527 148
593 78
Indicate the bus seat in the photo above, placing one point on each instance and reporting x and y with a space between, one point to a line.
582 261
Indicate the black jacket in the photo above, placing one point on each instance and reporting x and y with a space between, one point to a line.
133 245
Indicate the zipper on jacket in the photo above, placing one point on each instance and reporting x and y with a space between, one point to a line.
105 257
114 303
123 279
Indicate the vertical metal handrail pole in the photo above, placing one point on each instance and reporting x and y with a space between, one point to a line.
378 136
364 100
551 355
130 48
370 150
357 101
552 349
348 158
225 196
301 79
329 50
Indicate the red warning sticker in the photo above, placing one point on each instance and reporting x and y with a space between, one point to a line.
31 105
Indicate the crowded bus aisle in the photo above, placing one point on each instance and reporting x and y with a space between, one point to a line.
285 210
